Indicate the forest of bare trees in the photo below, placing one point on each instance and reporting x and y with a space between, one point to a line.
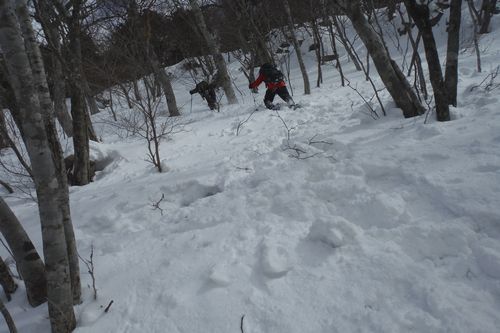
61 60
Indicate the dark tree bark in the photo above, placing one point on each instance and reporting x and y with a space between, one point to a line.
6 280
29 263
4 142
8 318
318 41
125 92
487 11
421 16
451 72
338 65
81 166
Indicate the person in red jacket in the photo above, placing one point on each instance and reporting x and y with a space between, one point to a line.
273 78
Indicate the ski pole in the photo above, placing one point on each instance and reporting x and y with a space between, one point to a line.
191 109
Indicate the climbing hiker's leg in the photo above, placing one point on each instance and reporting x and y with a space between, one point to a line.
285 95
268 98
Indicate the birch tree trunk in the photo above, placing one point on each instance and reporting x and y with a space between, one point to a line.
421 16
213 46
397 85
48 114
47 185
28 261
296 46
451 71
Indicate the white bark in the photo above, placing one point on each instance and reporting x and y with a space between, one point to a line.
48 114
48 188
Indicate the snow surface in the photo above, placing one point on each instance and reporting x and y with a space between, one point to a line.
388 225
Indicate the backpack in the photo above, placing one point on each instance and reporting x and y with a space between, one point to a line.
271 73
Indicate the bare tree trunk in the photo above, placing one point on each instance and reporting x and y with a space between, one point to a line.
296 46
8 318
4 142
475 23
28 261
421 16
137 94
318 48
59 292
347 45
126 94
50 27
166 84
89 97
397 85
57 154
81 165
451 72
6 280
59 96
225 80
338 65
415 59
487 10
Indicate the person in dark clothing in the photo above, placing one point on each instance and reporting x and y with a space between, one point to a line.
207 92
275 84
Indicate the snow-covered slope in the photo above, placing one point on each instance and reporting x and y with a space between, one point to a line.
314 220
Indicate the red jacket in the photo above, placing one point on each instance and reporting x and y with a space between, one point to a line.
269 85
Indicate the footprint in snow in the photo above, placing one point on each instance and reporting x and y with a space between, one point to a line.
219 276
274 261
324 238
334 232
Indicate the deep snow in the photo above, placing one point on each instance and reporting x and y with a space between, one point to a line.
388 225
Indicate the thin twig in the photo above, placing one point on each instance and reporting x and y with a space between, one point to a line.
241 123
109 305
90 268
156 205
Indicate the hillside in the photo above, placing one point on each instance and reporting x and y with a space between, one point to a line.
320 219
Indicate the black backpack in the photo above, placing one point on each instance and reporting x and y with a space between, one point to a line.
271 73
